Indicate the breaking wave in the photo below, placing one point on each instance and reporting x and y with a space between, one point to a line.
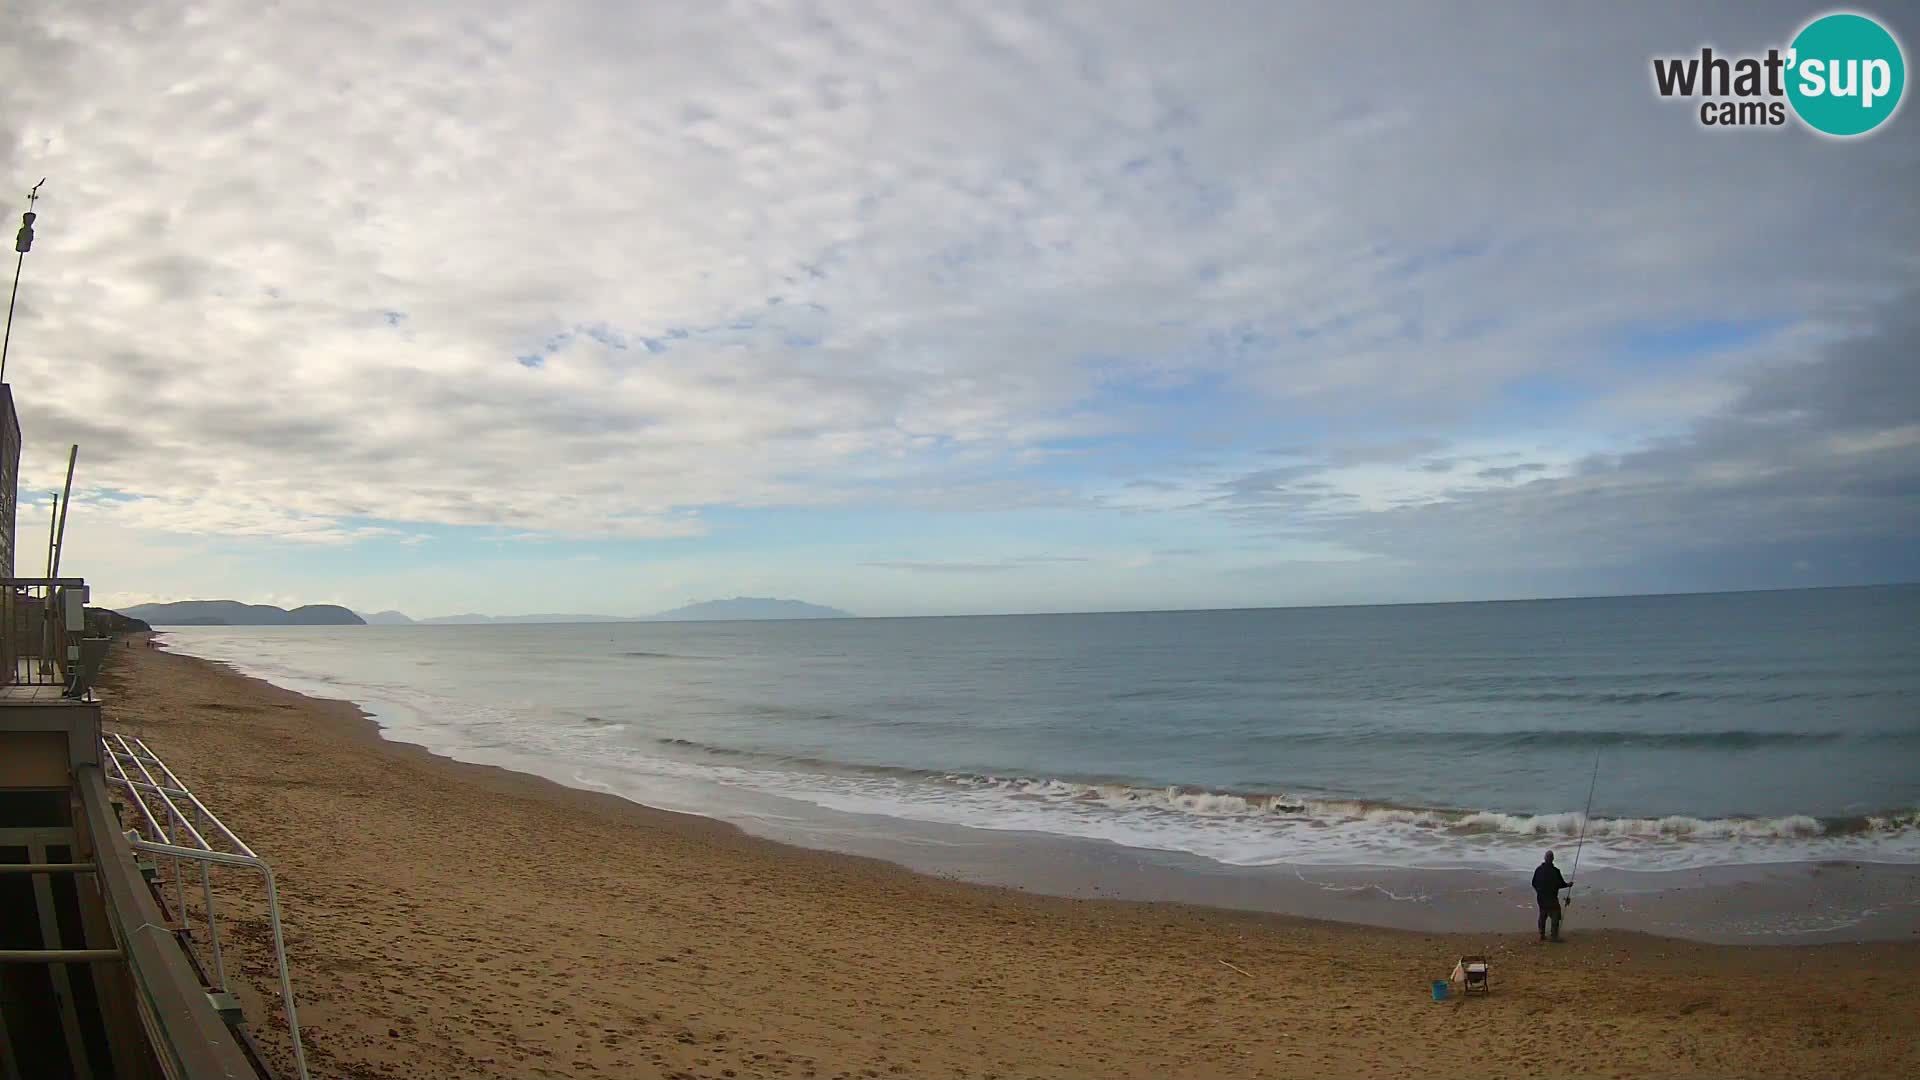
1462 822
1153 816
1730 739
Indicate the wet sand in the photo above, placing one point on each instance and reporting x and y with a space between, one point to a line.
452 920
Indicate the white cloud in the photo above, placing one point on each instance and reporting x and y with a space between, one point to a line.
829 256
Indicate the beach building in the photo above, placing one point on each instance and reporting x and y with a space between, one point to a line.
99 975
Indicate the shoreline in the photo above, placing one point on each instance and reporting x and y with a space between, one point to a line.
443 924
1778 902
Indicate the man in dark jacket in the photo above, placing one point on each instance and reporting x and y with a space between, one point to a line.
1547 884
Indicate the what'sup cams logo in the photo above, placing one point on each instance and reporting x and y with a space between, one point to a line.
1842 76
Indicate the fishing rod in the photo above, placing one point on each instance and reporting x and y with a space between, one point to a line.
1585 816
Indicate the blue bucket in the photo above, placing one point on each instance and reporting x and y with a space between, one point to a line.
1439 989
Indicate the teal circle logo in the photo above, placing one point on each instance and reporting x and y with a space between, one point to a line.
1845 74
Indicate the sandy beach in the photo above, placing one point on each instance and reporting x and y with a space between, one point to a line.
451 920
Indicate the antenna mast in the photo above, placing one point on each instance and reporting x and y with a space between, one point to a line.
53 516
22 243
60 539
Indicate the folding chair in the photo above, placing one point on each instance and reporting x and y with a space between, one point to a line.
1475 974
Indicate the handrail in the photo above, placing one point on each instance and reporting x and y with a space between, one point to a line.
119 751
185 1032
57 956
180 788
175 818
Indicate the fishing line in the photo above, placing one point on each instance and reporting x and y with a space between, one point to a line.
1585 816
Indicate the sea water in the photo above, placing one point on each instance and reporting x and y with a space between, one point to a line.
1718 729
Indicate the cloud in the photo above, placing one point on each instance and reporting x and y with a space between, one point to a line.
1511 472
1043 559
1816 448
1017 562
1821 450
1397 452
352 274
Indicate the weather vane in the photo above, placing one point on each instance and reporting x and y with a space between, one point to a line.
22 243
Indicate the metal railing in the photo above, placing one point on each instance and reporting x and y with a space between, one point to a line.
41 623
174 832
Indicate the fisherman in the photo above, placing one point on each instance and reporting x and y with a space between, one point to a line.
1547 884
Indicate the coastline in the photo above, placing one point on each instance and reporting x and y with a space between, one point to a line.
452 919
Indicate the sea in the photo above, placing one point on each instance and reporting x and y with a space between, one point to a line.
1734 729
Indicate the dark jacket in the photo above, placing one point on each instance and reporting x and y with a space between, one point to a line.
1547 883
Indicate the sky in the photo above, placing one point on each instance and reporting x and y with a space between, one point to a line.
914 308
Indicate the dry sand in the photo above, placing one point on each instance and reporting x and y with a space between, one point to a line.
449 920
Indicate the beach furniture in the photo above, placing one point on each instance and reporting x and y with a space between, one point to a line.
1474 974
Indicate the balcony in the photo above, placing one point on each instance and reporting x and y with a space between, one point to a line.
46 654
98 975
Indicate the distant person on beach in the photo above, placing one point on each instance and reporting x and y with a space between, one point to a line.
1547 884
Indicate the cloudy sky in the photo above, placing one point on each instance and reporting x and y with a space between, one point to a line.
920 308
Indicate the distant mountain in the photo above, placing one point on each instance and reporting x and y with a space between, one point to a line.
560 618
738 608
471 618
105 622
324 615
748 607
234 613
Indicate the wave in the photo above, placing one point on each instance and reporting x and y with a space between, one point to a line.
641 654
800 760
1287 808
1592 738
1725 739
1200 801
1654 697
1736 688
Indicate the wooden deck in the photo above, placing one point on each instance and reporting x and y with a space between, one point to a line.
37 695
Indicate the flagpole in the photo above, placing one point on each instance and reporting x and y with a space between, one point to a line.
22 243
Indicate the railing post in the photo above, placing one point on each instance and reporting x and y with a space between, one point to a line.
286 977
213 926
180 880
9 655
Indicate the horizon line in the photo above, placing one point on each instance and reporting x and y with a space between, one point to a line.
618 619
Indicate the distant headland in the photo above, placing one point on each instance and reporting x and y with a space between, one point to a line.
234 613
748 607
740 608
